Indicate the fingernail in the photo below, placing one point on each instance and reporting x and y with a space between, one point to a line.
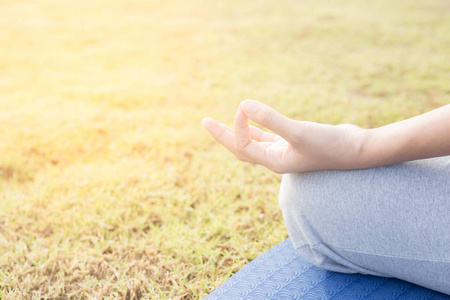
206 120
250 106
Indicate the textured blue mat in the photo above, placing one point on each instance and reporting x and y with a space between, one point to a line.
281 273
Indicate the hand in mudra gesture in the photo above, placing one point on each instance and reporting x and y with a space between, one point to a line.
296 146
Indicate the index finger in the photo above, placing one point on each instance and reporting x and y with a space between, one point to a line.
241 130
269 118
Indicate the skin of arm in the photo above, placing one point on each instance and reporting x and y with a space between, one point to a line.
300 146
423 136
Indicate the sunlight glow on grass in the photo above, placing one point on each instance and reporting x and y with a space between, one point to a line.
110 187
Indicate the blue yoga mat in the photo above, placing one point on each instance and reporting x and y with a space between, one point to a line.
281 273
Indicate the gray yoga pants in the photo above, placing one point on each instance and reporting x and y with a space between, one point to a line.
391 221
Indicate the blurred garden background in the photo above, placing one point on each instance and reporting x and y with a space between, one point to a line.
109 186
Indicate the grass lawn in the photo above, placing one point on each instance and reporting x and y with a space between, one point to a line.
110 187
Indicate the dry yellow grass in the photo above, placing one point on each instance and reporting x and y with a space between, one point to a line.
111 189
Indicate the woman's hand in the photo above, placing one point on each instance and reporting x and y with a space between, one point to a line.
296 146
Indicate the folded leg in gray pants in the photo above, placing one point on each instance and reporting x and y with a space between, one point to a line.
391 221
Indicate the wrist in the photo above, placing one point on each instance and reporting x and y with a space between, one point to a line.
369 155
384 145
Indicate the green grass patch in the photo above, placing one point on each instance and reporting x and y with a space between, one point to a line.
109 186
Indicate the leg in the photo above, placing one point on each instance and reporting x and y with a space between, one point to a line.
390 221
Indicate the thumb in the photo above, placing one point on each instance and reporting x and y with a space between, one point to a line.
269 118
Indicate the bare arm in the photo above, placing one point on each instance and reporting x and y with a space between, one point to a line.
424 136
299 146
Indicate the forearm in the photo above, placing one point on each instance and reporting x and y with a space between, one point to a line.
424 136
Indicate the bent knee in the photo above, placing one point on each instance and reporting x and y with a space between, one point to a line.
298 200
290 196
306 202
299 191
287 192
